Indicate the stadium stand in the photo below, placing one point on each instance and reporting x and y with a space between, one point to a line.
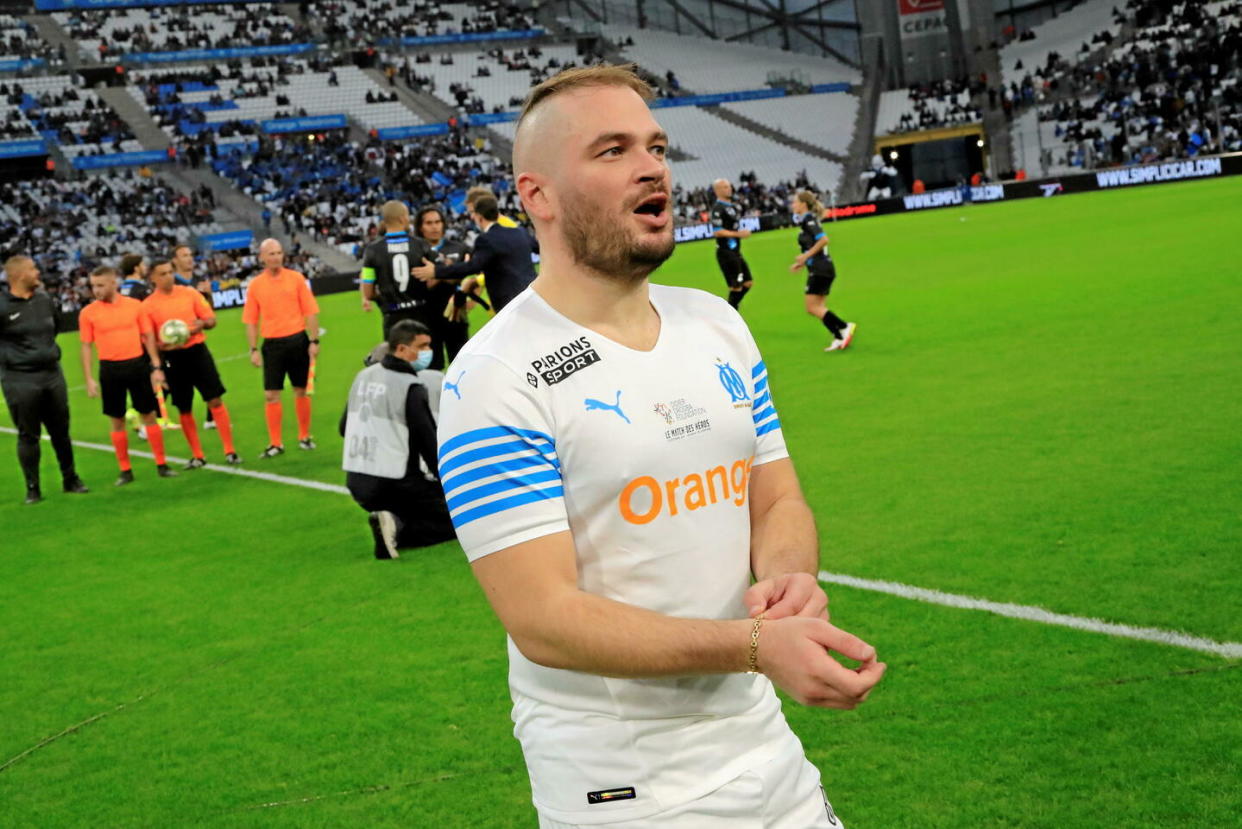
491 81
357 20
20 42
1061 36
76 119
826 120
70 226
700 65
106 34
1167 90
331 189
185 103
927 106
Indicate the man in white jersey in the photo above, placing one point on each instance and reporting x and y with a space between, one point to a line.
616 472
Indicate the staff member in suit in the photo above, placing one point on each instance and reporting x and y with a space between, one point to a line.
501 254
30 375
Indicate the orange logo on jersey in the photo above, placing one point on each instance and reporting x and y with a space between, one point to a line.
644 499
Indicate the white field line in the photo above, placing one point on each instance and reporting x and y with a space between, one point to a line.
1030 613
214 467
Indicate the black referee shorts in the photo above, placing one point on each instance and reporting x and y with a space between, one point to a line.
119 378
819 279
733 268
187 369
286 356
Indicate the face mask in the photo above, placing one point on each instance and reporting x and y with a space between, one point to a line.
424 360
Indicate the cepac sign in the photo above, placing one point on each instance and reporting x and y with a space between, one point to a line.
921 18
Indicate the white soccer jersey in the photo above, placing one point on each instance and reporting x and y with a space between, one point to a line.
645 457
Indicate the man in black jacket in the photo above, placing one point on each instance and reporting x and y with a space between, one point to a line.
390 446
30 375
501 254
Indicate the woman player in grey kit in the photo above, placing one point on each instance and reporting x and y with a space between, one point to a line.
820 272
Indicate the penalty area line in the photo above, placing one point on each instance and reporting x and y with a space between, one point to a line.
270 477
1031 613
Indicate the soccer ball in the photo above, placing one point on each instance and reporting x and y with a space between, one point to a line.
174 332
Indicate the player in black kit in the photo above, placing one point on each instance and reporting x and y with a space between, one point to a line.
447 335
820 271
726 217
386 264
134 277
30 375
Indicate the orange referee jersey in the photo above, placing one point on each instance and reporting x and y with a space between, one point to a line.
280 304
116 327
184 303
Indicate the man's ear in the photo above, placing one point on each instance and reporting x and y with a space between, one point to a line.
536 200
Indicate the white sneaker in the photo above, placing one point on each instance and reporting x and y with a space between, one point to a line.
210 424
836 345
384 531
847 336
142 432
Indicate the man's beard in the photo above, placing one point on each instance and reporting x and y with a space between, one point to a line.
605 246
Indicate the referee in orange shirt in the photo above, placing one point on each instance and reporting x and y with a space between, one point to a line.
280 306
190 365
129 364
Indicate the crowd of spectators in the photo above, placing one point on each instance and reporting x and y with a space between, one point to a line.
329 187
114 32
1169 91
693 205
362 21
76 116
19 40
69 227
945 103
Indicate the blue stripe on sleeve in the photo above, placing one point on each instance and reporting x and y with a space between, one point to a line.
492 451
479 435
517 482
462 519
763 415
760 368
761 384
820 236
763 400
522 465
770 426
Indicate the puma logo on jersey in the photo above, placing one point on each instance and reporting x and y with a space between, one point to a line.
453 386
645 499
14 316
592 404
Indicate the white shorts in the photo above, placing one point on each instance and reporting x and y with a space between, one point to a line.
784 793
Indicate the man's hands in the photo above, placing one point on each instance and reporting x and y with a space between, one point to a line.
796 637
794 654
424 272
92 388
798 264
256 359
792 594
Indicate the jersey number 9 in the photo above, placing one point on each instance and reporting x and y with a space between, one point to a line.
401 271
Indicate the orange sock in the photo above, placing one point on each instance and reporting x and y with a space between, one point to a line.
225 427
275 413
190 429
304 409
120 444
155 436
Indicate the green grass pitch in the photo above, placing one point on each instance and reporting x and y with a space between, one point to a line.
1042 406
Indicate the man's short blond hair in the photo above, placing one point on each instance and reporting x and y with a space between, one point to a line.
393 213
603 74
105 270
476 193
14 263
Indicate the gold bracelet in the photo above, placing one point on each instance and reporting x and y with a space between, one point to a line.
751 663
